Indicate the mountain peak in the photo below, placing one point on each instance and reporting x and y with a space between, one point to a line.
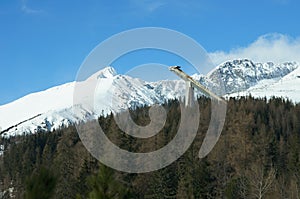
241 74
106 72
239 61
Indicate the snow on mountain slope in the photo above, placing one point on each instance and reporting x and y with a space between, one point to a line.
55 98
53 108
287 87
45 110
239 75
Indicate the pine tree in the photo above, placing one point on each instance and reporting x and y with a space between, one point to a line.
105 186
40 185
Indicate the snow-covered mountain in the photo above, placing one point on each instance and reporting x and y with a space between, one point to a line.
239 75
53 108
287 86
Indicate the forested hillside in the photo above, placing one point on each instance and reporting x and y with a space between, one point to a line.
257 156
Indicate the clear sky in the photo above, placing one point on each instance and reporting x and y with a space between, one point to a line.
43 43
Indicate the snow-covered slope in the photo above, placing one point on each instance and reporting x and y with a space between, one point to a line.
239 75
53 108
35 104
287 87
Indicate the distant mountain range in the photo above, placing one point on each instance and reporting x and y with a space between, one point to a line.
53 108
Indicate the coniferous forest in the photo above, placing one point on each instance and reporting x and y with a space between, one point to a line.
257 156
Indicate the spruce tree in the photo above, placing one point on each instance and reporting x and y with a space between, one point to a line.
105 186
40 185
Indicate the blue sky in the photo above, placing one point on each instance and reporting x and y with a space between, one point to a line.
43 43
